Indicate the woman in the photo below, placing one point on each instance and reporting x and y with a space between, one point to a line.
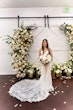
46 68
35 90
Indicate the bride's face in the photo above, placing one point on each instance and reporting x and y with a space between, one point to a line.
44 43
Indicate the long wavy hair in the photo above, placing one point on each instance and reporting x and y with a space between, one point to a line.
46 46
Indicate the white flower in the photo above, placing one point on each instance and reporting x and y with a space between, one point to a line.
30 71
48 58
65 70
58 71
45 58
69 70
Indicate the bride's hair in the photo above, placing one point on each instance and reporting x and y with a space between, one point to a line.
46 46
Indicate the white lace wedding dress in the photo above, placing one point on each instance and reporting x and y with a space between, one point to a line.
34 90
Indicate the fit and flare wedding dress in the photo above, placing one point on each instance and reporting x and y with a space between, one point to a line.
34 90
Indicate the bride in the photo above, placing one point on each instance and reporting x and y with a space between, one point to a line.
35 90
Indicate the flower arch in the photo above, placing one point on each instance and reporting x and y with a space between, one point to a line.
67 67
20 44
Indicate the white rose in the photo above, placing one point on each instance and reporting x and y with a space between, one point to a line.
69 70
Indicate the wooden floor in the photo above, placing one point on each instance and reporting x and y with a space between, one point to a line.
60 99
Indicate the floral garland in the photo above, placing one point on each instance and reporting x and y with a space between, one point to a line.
67 67
20 43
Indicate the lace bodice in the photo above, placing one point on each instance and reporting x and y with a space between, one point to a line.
45 52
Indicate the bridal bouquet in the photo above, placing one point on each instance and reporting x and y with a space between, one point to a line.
45 58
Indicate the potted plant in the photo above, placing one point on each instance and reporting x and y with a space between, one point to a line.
37 71
53 71
69 71
58 73
30 73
